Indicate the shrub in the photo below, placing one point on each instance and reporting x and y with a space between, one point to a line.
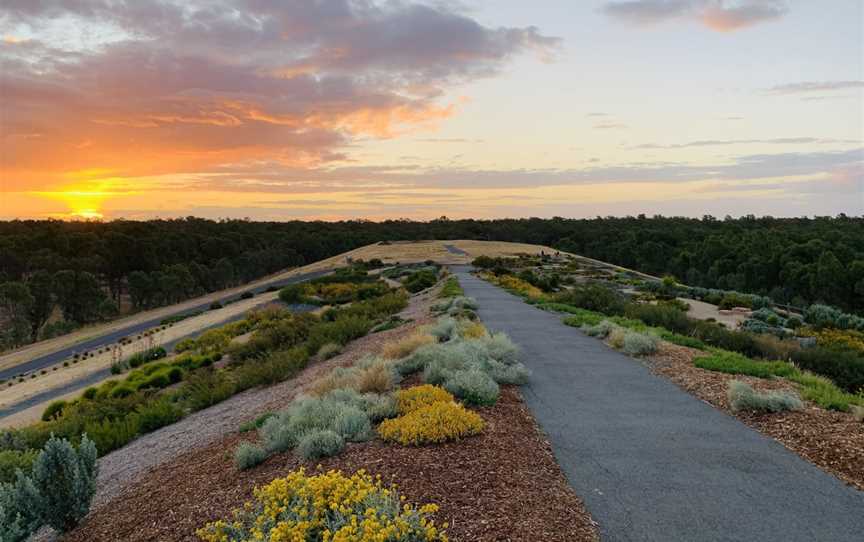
120 391
21 508
734 299
275 367
593 297
359 507
772 347
379 407
157 413
329 350
353 425
716 335
90 393
501 348
54 410
320 443
515 373
66 480
184 345
109 435
402 348
845 368
438 422
472 330
277 434
420 280
417 397
451 288
661 315
248 455
257 423
205 388
14 460
444 329
743 397
374 376
293 293
600 330
639 344
474 387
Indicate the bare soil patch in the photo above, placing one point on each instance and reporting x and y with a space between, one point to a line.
833 441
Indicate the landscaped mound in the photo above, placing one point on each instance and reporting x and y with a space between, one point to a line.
328 507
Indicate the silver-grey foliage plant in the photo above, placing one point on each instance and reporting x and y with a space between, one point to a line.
66 480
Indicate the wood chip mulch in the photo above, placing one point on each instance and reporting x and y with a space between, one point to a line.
833 441
501 485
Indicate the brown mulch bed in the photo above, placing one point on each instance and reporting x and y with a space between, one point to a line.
833 441
501 485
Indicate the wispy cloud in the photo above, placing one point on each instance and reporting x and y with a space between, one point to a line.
723 142
609 126
808 87
719 15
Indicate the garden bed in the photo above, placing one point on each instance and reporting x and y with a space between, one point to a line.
485 491
833 441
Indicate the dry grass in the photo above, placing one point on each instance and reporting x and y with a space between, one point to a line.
377 378
405 347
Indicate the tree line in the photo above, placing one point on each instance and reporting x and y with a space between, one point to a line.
86 269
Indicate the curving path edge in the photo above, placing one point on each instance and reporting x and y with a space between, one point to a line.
652 462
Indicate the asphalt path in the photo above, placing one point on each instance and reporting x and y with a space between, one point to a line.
455 250
47 360
652 462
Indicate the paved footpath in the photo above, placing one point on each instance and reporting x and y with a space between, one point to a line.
652 462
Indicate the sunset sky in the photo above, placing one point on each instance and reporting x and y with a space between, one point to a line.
329 109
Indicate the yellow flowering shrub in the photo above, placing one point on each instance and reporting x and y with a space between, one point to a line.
329 507
516 284
438 422
416 397
843 338
473 330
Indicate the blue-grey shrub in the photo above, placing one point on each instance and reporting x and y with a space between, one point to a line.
639 344
600 330
21 509
501 348
379 407
742 396
248 455
444 329
277 435
320 443
473 387
515 373
66 480
353 425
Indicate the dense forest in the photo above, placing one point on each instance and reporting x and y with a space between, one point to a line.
88 270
